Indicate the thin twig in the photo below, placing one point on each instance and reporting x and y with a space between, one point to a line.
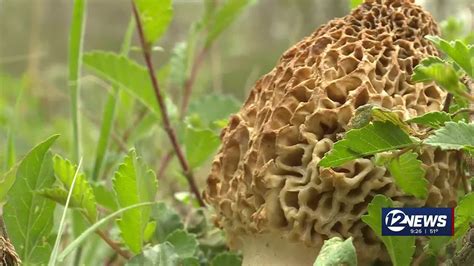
463 110
189 83
165 161
164 113
128 132
447 102
113 245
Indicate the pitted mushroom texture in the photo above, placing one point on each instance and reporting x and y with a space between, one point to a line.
266 176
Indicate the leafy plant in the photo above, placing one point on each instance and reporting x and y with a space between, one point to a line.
119 185
381 135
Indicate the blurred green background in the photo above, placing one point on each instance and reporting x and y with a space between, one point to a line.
33 56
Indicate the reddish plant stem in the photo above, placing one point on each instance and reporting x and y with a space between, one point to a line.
164 113
114 245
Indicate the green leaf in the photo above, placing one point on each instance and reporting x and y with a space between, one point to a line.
199 144
179 64
191 261
226 259
436 244
213 107
82 194
75 48
104 196
335 252
362 117
400 248
453 136
78 241
452 28
370 112
163 254
168 221
371 139
432 119
460 53
224 17
124 73
356 3
134 183
184 243
155 17
409 174
435 69
6 182
464 213
28 216
69 197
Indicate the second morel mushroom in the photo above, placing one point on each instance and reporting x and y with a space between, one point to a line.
270 194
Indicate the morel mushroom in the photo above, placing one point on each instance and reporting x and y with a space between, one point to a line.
269 193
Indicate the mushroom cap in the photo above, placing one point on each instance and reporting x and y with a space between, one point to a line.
266 177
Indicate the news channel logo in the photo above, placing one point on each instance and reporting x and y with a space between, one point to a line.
417 221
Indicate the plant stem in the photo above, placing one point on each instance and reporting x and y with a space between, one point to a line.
76 39
165 161
164 113
113 245
188 85
447 102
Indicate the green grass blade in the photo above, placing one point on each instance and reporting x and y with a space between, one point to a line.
78 241
54 253
76 39
106 128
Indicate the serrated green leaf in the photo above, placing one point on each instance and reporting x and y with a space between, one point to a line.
168 221
409 174
104 196
163 254
199 144
224 17
178 64
432 119
155 17
371 139
29 216
335 252
444 74
124 73
464 215
185 244
453 136
134 183
226 259
460 53
400 248
213 107
82 194
6 182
